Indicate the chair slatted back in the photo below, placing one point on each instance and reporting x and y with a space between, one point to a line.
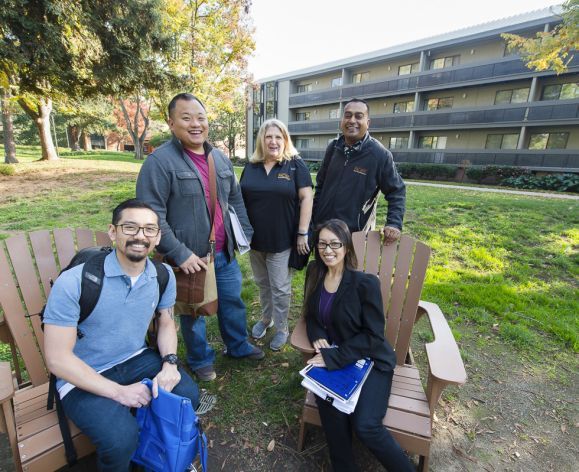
401 268
27 267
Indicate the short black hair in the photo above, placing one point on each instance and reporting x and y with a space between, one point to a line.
131 203
183 96
358 100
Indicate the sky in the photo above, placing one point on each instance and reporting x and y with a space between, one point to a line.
294 34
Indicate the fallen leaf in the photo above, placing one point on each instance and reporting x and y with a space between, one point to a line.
285 364
564 428
517 455
211 443
233 429
271 445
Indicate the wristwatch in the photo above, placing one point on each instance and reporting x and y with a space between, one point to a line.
171 359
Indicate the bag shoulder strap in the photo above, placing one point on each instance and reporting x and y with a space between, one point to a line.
162 277
212 197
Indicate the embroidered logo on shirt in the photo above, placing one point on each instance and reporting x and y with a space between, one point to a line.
360 170
283 175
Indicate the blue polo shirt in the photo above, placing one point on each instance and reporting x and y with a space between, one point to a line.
116 329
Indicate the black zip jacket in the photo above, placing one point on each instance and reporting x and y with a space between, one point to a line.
345 186
357 320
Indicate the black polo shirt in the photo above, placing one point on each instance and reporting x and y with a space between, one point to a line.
272 202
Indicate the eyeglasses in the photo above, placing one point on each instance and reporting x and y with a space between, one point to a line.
132 230
333 245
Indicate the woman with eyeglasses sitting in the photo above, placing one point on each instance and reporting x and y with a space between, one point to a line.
345 323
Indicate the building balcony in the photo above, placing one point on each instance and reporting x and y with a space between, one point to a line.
548 160
558 160
500 70
531 114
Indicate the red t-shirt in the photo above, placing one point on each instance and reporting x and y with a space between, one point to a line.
202 165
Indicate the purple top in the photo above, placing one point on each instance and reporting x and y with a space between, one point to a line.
200 161
326 300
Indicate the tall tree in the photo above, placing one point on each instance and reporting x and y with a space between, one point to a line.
66 47
9 147
136 118
228 126
554 49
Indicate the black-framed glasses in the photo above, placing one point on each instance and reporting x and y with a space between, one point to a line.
333 245
132 230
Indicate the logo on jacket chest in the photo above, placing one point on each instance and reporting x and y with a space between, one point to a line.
283 176
360 170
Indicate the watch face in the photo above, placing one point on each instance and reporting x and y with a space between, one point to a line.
171 358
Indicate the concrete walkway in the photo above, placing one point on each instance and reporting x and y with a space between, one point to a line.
562 196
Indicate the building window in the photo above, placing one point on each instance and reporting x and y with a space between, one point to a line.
334 114
439 103
432 142
303 88
404 107
502 141
398 142
304 143
336 82
561 92
303 116
360 77
408 69
444 62
520 95
548 141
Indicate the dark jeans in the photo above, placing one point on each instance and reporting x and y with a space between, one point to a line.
110 426
366 422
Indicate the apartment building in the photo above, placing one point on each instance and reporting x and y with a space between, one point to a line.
458 97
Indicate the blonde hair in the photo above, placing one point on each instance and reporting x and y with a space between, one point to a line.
288 149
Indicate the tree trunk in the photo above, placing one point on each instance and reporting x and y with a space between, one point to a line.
133 128
40 111
9 146
86 142
73 137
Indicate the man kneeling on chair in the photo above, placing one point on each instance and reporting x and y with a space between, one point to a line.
100 367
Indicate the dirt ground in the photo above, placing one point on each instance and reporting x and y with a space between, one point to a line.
516 412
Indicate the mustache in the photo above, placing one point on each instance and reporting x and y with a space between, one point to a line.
147 244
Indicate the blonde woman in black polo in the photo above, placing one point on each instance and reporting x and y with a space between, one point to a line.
277 191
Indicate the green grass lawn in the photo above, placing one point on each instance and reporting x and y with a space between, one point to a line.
504 264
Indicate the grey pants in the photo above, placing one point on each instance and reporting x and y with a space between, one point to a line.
274 279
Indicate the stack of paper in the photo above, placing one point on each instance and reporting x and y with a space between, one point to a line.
240 239
339 387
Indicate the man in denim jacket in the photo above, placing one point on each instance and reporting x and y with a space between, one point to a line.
174 181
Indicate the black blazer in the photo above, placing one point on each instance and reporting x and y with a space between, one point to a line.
357 319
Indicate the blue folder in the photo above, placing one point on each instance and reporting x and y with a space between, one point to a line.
343 382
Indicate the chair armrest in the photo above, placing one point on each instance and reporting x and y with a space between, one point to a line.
6 382
299 338
444 360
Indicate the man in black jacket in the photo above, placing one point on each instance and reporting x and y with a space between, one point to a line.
355 169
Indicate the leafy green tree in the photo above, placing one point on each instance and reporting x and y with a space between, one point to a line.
554 49
84 117
228 126
56 48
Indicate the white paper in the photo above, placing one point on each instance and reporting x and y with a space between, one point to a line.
240 238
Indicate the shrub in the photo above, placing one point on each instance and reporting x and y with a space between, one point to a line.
7 169
495 173
314 166
426 171
158 139
557 182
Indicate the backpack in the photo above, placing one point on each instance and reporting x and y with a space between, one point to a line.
91 287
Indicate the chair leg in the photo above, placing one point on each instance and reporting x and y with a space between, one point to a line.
301 435
423 463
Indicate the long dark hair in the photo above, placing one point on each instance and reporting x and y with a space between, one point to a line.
317 269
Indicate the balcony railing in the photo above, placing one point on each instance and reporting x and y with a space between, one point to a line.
554 159
551 159
503 68
510 115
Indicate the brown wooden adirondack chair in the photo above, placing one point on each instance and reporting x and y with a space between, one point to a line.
401 269
27 265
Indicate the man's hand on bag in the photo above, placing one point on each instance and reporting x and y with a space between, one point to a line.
193 264
134 396
391 235
166 379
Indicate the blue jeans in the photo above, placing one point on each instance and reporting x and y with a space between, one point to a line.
231 315
366 422
110 426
